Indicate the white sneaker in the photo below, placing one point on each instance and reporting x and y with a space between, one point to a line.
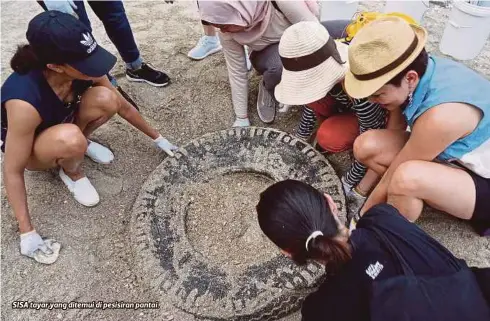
98 153
83 191
206 46
346 187
283 108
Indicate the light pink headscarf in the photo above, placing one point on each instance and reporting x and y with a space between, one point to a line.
314 7
254 15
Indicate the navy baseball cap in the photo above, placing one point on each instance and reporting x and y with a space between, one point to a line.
60 38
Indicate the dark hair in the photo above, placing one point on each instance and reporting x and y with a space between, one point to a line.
419 65
25 60
289 212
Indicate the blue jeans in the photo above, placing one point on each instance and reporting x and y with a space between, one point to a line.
116 24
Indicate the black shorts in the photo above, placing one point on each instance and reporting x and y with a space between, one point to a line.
481 215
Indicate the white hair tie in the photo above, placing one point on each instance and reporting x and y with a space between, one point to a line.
312 236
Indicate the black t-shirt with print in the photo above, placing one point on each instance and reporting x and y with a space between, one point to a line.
346 295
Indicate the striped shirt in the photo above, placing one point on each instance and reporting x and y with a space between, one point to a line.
369 115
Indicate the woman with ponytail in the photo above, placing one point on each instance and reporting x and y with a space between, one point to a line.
363 265
56 97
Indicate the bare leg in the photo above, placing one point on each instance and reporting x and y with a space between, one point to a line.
98 105
207 44
61 145
209 30
65 144
368 182
377 148
448 189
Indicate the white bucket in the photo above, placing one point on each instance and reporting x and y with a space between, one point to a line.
337 10
484 3
466 31
415 8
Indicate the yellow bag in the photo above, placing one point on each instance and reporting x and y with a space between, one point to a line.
363 18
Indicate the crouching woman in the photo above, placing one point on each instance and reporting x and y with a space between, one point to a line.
385 269
56 97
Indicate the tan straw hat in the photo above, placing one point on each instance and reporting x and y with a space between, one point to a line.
380 51
312 61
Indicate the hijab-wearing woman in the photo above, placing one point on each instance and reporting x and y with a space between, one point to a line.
56 97
258 25
385 251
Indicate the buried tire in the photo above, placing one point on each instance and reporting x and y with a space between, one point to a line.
169 264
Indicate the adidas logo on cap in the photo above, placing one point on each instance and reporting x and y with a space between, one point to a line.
89 42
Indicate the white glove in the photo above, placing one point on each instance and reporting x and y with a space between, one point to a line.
66 6
30 242
165 145
43 251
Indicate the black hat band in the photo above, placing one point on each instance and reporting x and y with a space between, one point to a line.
314 59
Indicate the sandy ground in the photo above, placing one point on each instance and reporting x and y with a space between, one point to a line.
236 230
96 259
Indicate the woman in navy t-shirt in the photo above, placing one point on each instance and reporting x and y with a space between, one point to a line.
56 97
304 224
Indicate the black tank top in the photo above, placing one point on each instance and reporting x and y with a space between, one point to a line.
34 89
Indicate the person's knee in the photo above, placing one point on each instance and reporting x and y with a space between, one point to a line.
407 179
365 146
324 107
71 139
332 140
337 133
107 100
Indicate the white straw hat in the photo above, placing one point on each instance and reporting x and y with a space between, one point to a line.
312 63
